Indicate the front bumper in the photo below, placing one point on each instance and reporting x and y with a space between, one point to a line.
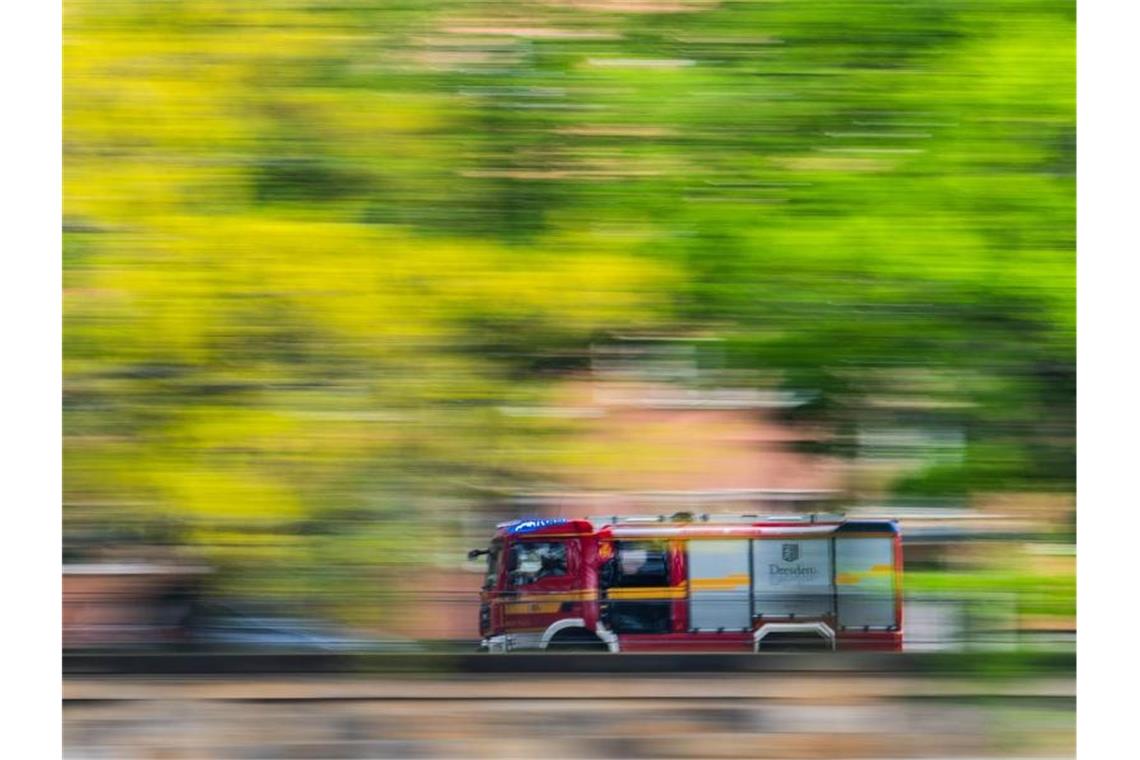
496 644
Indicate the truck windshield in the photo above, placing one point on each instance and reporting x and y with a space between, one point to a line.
531 561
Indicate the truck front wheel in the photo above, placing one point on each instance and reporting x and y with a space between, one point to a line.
576 640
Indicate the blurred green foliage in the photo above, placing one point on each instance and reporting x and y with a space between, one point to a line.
311 247
1034 593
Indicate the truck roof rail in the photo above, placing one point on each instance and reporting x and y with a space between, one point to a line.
689 517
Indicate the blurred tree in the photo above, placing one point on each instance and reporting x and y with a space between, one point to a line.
310 247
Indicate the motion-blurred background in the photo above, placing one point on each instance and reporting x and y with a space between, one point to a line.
348 282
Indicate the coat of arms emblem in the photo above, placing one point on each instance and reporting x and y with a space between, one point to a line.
791 552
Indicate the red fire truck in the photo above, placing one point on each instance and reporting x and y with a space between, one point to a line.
692 583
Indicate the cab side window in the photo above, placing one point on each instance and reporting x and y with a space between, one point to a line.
531 561
641 563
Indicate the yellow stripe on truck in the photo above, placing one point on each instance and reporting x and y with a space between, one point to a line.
655 592
557 596
727 583
532 608
875 572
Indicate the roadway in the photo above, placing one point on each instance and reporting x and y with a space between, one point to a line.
543 715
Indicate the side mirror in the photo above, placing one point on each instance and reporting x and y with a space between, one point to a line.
476 553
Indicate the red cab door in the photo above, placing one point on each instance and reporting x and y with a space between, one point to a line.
541 583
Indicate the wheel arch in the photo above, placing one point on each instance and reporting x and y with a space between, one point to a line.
565 624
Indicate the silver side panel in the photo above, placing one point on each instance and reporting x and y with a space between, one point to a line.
718 581
793 577
864 576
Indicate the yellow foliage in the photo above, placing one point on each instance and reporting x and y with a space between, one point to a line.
234 493
348 342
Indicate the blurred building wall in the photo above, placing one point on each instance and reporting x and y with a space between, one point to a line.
120 604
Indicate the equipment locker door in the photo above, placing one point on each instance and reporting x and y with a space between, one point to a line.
865 581
793 577
719 585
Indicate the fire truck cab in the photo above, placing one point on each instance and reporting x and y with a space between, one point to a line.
692 583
